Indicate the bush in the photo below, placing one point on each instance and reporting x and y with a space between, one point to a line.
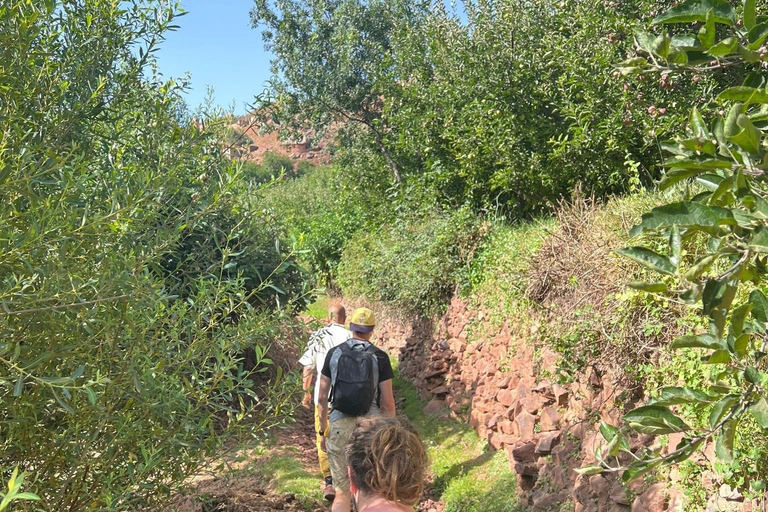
413 265
303 167
126 318
323 209
277 164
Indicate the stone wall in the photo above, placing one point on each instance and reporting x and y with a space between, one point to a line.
490 376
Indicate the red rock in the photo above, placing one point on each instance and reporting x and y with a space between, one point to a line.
532 403
495 440
435 406
619 495
545 500
525 424
492 421
652 500
508 427
546 441
523 452
505 397
504 383
549 419
441 390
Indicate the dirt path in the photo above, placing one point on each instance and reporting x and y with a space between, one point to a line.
246 491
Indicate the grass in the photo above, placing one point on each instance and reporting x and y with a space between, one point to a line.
467 475
319 309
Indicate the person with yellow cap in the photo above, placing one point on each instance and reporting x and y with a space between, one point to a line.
357 381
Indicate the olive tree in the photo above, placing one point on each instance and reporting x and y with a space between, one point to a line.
124 320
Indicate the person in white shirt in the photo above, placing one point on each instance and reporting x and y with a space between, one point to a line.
320 342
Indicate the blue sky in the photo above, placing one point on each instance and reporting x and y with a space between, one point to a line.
218 47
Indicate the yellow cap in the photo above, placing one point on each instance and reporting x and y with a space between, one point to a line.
362 320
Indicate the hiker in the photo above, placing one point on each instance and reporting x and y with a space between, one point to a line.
357 378
387 464
320 342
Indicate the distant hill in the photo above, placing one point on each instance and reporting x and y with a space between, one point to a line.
307 148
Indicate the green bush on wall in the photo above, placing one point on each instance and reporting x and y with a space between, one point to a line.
412 265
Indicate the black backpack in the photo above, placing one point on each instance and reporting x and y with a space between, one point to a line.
354 377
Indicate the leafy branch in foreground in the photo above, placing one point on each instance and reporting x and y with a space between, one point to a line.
728 160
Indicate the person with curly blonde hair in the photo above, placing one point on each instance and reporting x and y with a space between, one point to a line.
387 465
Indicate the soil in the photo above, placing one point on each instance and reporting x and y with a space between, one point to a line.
247 493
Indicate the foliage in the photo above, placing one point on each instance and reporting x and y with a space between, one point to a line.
334 59
322 210
303 167
413 264
14 488
726 157
277 164
235 138
256 173
127 304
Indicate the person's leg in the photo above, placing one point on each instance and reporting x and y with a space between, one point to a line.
338 435
322 457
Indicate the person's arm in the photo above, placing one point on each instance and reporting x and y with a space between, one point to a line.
307 375
387 402
322 406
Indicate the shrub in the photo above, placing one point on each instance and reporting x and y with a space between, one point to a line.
277 164
413 265
303 167
125 318
323 209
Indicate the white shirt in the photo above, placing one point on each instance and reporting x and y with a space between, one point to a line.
320 342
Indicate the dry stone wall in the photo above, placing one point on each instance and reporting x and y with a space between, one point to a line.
490 377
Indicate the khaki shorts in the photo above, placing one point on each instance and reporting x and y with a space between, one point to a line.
340 432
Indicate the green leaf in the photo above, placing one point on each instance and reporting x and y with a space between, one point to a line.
703 145
697 10
685 42
724 443
701 266
731 126
752 375
759 241
679 395
719 357
741 344
18 389
686 213
649 259
738 317
676 244
724 47
720 409
656 420
748 55
644 41
701 163
759 411
749 14
757 36
634 62
759 305
649 287
744 94
698 125
661 45
639 468
707 31
675 176
589 470
748 139
697 341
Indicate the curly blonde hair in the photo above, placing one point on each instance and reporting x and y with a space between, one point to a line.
387 459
